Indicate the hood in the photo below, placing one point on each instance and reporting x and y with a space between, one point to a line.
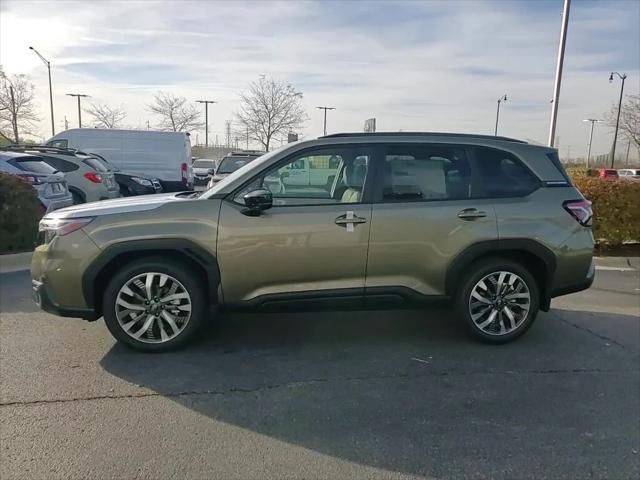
129 174
118 205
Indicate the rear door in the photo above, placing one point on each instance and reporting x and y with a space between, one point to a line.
424 214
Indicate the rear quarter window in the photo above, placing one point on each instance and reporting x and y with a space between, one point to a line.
502 175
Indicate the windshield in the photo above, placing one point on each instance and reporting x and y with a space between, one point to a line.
204 164
231 164
96 164
31 164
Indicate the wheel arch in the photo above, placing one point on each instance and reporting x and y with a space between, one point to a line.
112 258
78 192
533 255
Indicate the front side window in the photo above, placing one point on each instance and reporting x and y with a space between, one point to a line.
321 177
425 173
502 175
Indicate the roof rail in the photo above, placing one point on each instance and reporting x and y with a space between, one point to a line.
43 148
422 134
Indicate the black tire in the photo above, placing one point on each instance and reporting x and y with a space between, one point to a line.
191 282
478 271
77 199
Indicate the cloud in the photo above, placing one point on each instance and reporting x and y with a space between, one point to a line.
414 65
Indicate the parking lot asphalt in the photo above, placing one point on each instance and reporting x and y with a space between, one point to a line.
384 394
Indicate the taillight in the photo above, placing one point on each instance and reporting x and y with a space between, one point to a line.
580 210
184 171
93 177
33 180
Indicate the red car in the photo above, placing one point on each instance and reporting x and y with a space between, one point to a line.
609 173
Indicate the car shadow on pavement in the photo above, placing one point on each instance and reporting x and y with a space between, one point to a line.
402 390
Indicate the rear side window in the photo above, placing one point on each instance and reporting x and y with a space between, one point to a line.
96 164
61 165
422 172
32 164
502 175
61 143
553 156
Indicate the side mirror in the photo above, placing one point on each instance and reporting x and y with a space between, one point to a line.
257 201
211 171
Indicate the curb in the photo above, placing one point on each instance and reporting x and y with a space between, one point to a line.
617 263
15 262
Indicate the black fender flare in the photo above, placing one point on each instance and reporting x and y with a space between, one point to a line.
456 269
194 252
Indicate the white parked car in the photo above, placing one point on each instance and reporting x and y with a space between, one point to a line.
165 155
203 169
629 173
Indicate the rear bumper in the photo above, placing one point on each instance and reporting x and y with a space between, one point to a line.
57 203
200 180
579 285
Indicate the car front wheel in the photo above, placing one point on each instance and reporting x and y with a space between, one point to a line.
154 305
499 300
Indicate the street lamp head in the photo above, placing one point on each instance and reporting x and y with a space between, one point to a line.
505 97
30 48
611 77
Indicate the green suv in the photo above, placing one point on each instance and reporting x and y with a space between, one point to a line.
491 223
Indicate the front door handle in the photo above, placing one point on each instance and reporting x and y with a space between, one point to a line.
471 214
348 220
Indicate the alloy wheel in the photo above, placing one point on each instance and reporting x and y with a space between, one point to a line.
499 303
153 307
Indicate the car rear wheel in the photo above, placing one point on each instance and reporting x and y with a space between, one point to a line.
499 300
153 305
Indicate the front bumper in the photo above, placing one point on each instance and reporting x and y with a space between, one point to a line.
200 180
56 274
42 298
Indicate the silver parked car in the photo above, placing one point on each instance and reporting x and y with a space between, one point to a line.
87 178
51 185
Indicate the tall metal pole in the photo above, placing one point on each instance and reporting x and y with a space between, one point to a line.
615 135
501 99
78 96
592 121
206 119
48 64
325 116
626 162
556 89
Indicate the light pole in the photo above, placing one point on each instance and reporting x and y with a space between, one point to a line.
592 121
556 89
325 116
79 96
623 77
500 100
48 64
206 119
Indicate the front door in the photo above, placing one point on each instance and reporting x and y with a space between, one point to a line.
312 242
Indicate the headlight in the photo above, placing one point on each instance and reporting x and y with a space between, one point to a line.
142 181
48 229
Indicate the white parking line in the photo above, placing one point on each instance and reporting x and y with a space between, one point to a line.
616 269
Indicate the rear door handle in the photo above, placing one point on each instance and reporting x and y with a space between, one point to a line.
471 214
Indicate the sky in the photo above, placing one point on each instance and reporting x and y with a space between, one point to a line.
413 65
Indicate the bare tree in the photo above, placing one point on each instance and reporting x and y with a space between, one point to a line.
17 107
105 116
270 108
175 113
629 118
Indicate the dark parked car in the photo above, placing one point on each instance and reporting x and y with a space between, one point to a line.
131 184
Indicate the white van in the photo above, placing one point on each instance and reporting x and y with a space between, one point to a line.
165 155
